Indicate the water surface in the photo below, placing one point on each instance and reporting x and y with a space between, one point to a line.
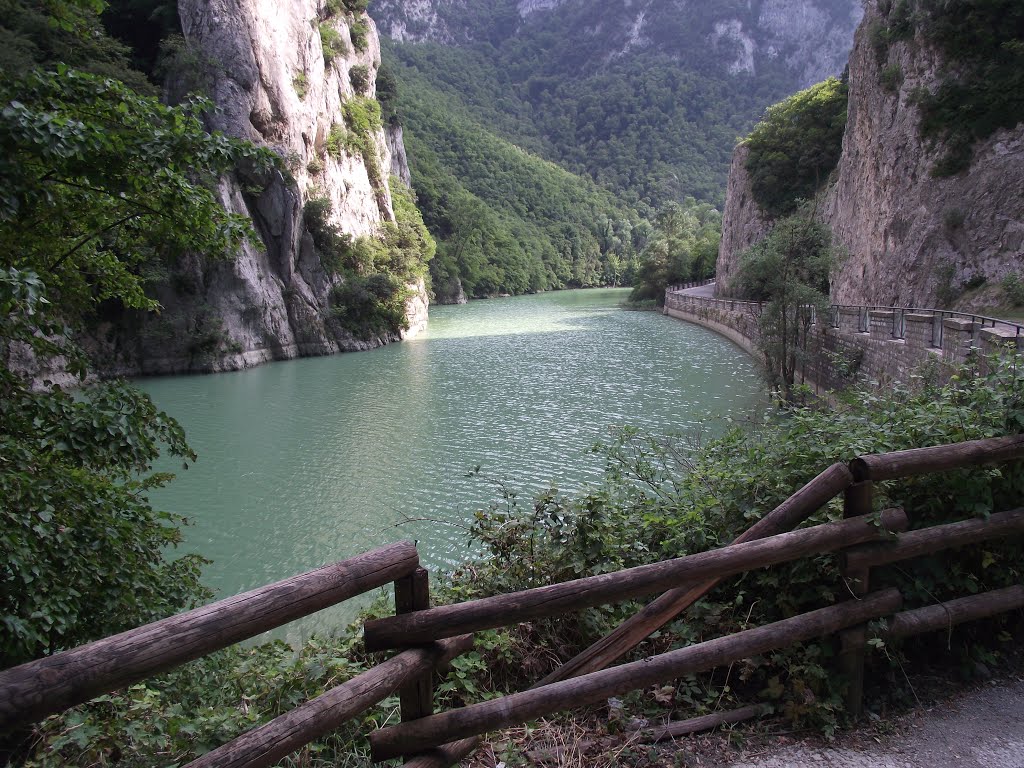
309 461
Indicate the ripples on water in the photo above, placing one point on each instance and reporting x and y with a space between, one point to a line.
310 461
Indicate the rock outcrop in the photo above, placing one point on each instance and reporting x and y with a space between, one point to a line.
810 39
280 75
913 239
743 223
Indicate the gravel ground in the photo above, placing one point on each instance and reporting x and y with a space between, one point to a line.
983 728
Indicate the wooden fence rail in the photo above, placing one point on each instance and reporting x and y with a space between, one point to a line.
665 608
408 738
267 744
33 690
557 599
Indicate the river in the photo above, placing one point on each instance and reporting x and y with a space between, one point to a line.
309 461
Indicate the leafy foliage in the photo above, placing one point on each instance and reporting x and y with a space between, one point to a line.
359 77
796 146
97 180
84 551
788 271
982 88
332 45
371 306
683 247
99 183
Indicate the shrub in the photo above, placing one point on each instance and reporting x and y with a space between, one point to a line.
1013 287
359 77
331 43
370 306
892 78
796 146
333 245
359 31
362 115
300 84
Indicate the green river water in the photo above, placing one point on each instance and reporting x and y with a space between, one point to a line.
309 461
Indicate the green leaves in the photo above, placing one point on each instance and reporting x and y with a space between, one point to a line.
796 145
96 180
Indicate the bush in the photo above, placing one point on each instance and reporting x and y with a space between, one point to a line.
333 245
370 306
331 43
359 77
359 31
1013 287
796 146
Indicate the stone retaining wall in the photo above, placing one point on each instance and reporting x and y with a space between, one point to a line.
860 344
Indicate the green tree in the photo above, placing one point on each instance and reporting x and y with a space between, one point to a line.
788 273
795 147
96 181
683 247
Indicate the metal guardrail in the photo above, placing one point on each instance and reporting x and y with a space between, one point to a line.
898 321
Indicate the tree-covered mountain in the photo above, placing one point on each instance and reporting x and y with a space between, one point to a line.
645 99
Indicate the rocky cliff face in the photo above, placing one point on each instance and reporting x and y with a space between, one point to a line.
266 71
913 239
809 38
743 223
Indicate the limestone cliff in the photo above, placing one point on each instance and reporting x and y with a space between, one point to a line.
280 75
913 239
808 39
743 223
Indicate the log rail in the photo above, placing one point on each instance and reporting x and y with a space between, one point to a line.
427 638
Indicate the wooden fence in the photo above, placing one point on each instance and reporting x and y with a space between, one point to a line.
429 637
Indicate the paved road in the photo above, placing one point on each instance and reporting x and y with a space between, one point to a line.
980 729
701 290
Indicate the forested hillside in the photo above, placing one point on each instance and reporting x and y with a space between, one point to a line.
642 100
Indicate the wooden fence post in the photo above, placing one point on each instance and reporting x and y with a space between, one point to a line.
857 501
412 593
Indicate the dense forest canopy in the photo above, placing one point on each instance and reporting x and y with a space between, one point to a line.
635 121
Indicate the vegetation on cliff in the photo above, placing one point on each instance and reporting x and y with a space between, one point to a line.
981 86
796 146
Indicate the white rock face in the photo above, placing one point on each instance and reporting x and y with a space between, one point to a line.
911 235
744 46
272 86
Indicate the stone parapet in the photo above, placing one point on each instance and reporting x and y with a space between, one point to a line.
880 324
858 344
